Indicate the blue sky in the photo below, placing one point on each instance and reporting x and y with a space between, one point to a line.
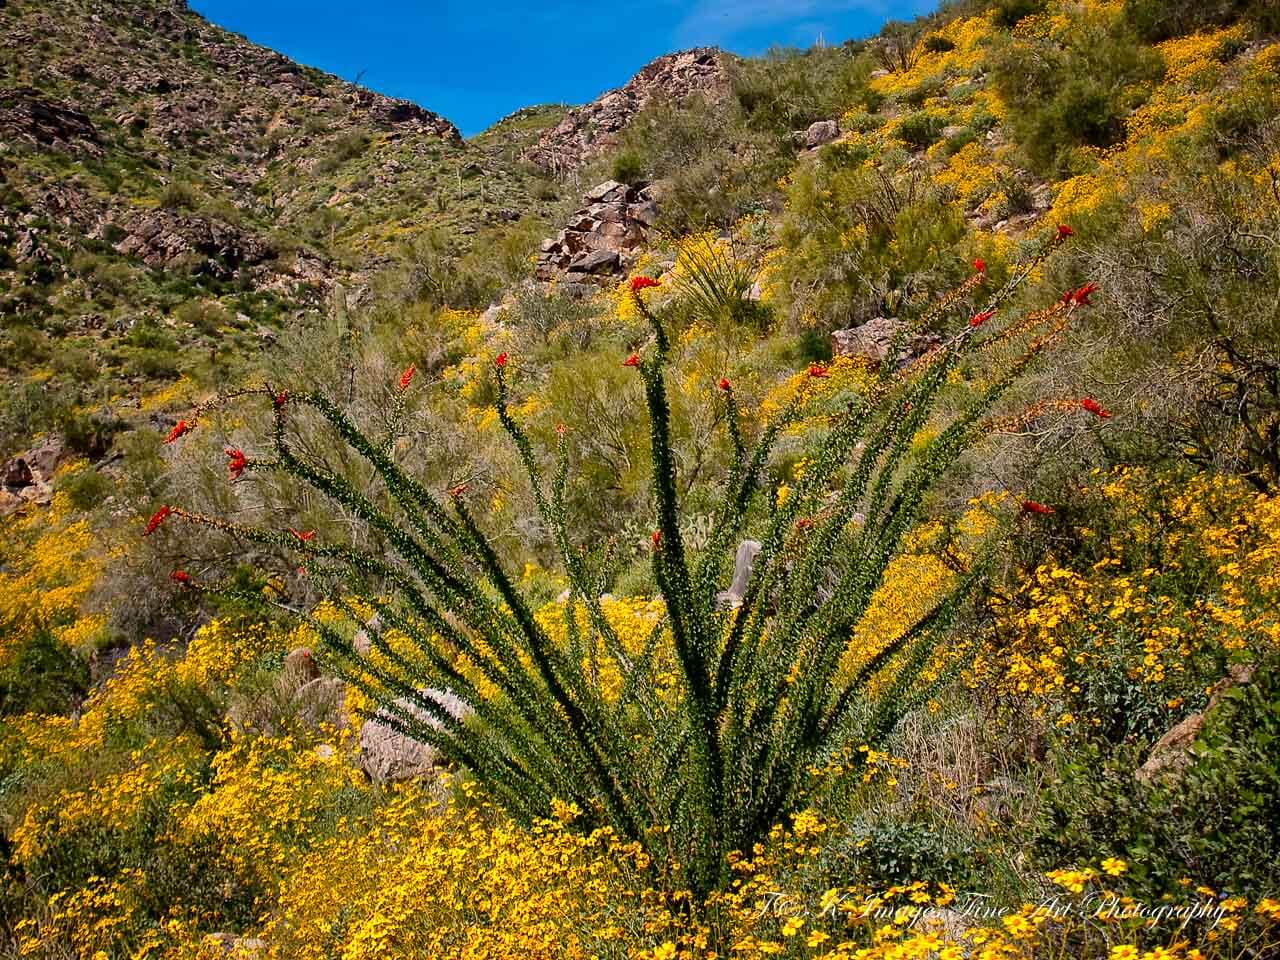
475 61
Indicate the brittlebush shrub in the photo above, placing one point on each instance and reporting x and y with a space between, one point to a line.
1168 583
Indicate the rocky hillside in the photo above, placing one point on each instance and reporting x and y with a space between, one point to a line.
591 130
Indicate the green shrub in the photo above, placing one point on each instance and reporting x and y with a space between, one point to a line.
1214 823
42 676
1074 95
1157 20
921 129
179 195
628 166
1010 12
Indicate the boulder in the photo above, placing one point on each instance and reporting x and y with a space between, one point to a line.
608 192
594 262
873 339
824 131
17 474
388 755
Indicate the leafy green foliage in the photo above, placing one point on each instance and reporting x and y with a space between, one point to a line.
1073 95
1214 822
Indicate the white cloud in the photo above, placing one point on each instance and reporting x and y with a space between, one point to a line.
717 21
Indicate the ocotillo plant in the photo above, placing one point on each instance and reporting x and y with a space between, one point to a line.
719 713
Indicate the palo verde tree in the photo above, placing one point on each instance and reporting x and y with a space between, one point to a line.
705 742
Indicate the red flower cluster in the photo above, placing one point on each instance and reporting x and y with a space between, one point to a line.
459 490
182 577
725 385
500 360
305 536
561 429
157 518
816 370
655 538
980 265
1080 297
640 283
1094 407
804 523
280 399
631 361
1064 231
236 462
1030 506
180 429
406 378
978 319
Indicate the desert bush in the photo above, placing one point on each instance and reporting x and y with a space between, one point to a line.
861 243
1213 821
1073 95
732 708
1156 20
179 195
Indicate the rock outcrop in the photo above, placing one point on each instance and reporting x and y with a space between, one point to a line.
27 115
403 116
602 237
160 238
589 130
388 755
873 340
27 479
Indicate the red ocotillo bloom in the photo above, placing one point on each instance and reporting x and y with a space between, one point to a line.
978 319
1030 506
280 399
655 538
157 518
980 266
182 577
459 490
303 535
640 283
180 429
236 462
816 370
631 361
1065 231
1082 295
725 385
1094 407
500 360
406 378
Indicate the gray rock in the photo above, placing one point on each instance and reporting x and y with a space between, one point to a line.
608 191
595 262
873 339
387 755
824 131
